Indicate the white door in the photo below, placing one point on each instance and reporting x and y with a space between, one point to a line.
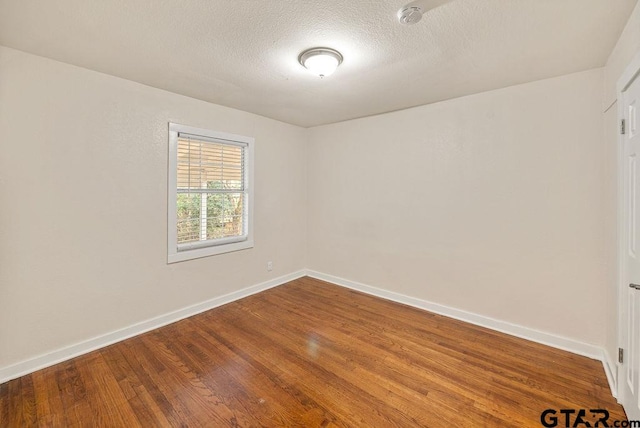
630 297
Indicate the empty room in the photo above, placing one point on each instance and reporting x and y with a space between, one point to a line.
319 213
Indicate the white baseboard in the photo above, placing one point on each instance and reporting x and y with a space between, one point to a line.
611 370
36 363
555 341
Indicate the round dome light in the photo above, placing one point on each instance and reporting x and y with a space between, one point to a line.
320 61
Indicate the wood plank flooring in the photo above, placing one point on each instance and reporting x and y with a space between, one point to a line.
311 354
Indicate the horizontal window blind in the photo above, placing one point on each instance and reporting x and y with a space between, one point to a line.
211 191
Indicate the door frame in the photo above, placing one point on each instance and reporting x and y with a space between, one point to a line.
631 72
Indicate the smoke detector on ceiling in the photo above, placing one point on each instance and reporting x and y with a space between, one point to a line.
409 15
412 12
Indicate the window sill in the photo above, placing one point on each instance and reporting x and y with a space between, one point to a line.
196 253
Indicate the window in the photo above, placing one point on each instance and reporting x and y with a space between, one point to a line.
210 193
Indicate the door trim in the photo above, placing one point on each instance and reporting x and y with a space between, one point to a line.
629 74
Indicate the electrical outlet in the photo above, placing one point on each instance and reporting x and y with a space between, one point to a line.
269 266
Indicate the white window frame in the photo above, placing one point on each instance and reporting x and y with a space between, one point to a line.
177 253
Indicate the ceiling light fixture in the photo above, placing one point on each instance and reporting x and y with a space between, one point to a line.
320 61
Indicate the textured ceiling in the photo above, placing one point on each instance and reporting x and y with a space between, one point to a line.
243 53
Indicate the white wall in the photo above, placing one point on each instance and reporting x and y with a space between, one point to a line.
490 203
83 224
626 48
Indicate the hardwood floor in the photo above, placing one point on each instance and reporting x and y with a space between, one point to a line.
311 354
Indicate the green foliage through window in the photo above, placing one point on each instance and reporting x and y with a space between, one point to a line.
224 213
